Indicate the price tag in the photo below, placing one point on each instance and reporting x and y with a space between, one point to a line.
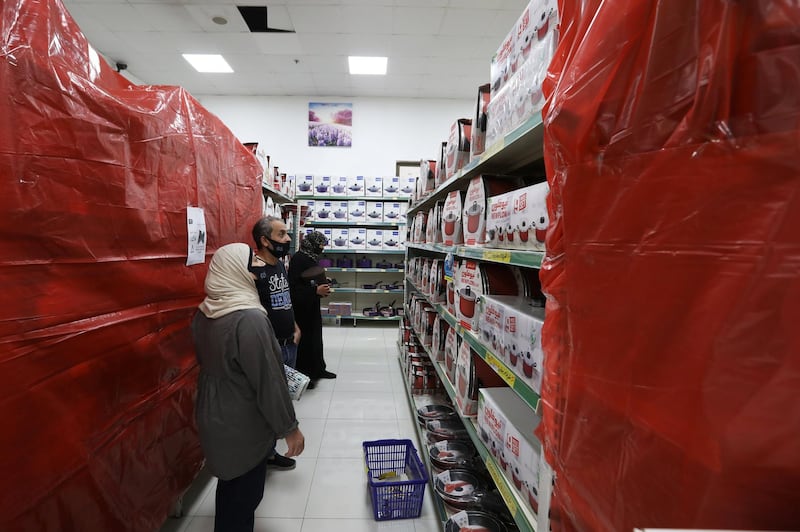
497 255
493 149
502 485
501 369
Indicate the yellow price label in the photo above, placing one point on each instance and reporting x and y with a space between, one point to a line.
497 255
501 369
502 485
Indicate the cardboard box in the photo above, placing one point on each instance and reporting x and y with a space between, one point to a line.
418 228
357 211
458 147
522 449
522 328
439 172
375 211
328 232
309 205
358 238
373 186
356 186
529 218
403 211
492 429
427 175
451 219
340 211
391 186
451 346
305 185
391 211
391 240
322 185
324 211
408 185
491 325
500 68
338 186
340 239
291 185
474 215
466 383
479 121
375 239
473 280
499 221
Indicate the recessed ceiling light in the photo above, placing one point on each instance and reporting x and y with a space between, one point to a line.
208 62
220 20
368 65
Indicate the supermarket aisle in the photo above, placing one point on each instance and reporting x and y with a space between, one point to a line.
328 490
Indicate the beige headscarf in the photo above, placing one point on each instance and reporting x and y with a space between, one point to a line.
229 285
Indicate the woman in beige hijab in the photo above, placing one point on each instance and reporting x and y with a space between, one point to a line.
243 404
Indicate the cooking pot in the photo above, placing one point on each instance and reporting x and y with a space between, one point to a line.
541 228
391 242
460 488
323 213
322 188
446 429
374 242
407 189
325 263
355 187
373 188
339 189
450 224
357 240
357 213
375 214
364 263
304 187
340 242
383 264
391 189
339 213
344 262
451 454
466 302
523 229
474 217
434 411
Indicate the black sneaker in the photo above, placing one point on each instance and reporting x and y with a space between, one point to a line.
327 375
281 463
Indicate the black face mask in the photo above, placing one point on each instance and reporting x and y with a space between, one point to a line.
278 249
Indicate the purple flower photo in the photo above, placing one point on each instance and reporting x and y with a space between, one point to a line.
329 124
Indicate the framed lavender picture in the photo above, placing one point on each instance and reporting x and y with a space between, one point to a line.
330 124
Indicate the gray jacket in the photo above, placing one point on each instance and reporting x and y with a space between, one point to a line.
243 403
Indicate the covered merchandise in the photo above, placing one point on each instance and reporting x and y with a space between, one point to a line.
97 367
672 352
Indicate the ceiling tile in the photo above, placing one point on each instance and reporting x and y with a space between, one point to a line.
361 18
367 44
316 19
203 15
321 44
167 17
412 45
278 43
416 20
466 22
121 17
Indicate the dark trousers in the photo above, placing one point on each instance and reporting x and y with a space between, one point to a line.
238 498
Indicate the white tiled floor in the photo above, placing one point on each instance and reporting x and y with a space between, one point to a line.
328 489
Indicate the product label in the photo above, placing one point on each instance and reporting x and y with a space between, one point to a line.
506 374
502 485
497 256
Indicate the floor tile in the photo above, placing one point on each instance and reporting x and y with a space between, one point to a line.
363 381
339 490
313 404
343 438
362 405
286 492
363 362
428 525
262 524
358 525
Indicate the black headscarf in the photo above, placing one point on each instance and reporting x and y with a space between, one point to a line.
313 243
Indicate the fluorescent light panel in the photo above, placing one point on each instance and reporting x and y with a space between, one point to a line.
375 66
208 62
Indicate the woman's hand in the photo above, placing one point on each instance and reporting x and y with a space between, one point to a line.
324 290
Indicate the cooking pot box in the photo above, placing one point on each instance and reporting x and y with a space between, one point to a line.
475 210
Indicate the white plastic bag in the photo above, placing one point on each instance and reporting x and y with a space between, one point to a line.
297 382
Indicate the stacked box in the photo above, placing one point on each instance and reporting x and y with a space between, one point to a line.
304 185
374 239
391 186
356 186
451 215
373 186
374 211
358 238
324 211
474 216
357 211
466 382
340 211
391 211
529 218
322 184
340 239
339 186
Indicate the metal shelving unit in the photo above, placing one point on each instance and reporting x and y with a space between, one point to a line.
336 223
364 291
515 150
367 270
526 259
277 196
366 251
348 198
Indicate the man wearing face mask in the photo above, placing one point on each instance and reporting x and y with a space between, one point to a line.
272 244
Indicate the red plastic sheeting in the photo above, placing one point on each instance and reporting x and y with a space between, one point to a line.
672 339
97 369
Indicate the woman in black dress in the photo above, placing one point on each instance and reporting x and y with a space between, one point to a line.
307 283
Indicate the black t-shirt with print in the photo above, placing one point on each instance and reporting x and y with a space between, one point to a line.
273 290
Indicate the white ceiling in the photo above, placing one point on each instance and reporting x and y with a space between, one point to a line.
436 48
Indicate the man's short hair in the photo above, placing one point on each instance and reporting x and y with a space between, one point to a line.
263 227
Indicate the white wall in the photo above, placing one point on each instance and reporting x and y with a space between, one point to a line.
384 131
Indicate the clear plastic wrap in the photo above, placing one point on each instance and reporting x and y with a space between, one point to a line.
97 368
672 352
